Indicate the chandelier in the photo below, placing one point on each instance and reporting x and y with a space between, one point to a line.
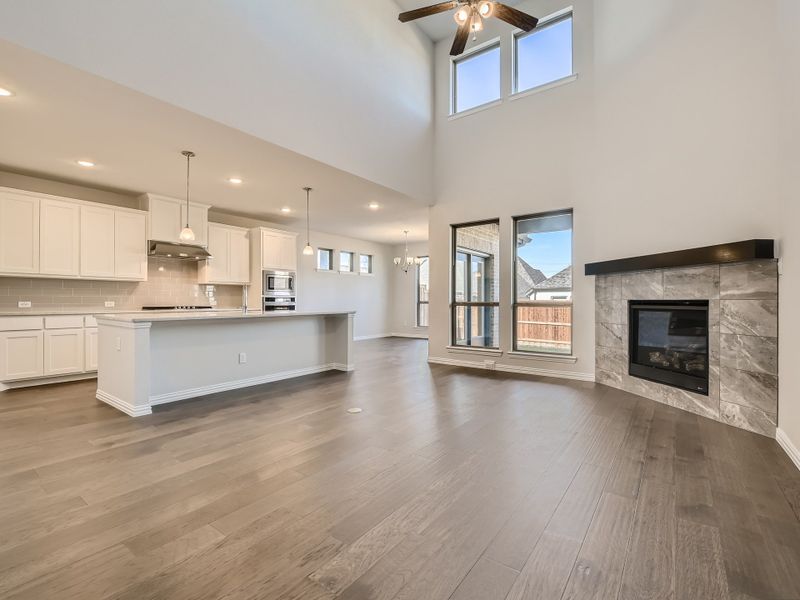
407 261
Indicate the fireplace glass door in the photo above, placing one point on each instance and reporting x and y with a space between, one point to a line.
669 343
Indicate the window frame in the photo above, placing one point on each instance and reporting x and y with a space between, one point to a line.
515 303
352 260
454 251
371 264
544 23
330 260
473 52
418 302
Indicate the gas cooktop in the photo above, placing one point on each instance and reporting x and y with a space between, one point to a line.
183 307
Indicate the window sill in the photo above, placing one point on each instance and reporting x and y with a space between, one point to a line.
544 87
325 270
347 273
477 109
476 350
558 358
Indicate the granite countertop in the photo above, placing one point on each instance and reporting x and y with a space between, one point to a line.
217 315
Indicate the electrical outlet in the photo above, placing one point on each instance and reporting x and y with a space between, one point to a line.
490 364
24 304
110 304
119 344
242 358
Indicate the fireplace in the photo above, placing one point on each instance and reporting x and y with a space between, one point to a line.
668 343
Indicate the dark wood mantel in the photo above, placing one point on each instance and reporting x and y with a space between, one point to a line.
709 255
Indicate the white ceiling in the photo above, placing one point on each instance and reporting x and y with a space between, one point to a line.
441 26
61 114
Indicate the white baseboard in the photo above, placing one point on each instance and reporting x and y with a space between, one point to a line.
119 404
361 338
515 369
24 383
788 446
243 383
413 336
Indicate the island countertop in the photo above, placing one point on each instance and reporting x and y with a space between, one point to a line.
170 316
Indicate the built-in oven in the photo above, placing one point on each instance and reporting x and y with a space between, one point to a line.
278 291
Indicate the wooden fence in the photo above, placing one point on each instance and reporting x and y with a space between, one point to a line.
547 323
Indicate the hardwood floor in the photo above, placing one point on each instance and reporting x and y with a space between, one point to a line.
451 484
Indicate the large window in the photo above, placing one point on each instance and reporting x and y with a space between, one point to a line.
543 283
423 298
476 79
475 285
543 55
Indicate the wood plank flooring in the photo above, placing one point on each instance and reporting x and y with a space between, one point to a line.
450 485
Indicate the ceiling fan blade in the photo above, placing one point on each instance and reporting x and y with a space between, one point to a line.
460 42
427 11
515 17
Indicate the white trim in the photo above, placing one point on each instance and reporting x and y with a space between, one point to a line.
414 336
34 381
544 87
474 350
571 375
475 109
559 358
242 383
783 440
127 408
376 336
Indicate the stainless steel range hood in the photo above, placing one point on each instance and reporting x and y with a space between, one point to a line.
177 251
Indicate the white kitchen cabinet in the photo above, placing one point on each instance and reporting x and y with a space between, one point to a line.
19 232
21 354
97 241
59 238
90 346
230 251
130 245
63 351
168 218
278 250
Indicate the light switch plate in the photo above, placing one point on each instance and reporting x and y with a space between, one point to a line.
24 304
242 358
110 304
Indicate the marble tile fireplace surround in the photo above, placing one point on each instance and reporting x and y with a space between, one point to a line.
742 342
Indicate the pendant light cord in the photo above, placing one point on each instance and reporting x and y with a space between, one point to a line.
308 216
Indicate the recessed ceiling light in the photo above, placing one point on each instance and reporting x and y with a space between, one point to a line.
4 92
286 209
235 180
85 163
374 206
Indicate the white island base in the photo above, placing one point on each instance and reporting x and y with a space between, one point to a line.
145 360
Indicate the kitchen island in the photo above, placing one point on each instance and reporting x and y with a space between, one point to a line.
150 359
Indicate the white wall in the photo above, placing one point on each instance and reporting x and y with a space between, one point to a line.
667 140
404 294
343 82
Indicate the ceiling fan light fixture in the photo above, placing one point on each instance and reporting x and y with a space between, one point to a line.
461 15
477 23
486 9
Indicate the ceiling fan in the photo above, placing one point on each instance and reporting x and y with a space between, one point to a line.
470 15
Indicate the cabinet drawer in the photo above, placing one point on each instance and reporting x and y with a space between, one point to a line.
20 323
63 322
89 321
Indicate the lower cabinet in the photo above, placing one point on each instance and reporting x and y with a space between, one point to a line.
21 354
63 351
90 346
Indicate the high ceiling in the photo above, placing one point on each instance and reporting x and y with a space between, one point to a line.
438 27
60 114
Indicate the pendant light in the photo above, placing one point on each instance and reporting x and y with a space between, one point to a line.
407 261
308 250
187 235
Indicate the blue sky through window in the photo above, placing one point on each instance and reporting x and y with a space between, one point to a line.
544 56
478 80
549 252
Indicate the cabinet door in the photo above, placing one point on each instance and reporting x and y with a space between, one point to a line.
19 233
21 355
217 269
97 241
198 221
165 219
59 238
63 351
239 256
130 245
90 345
289 253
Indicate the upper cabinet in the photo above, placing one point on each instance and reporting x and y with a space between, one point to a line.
60 237
230 256
278 249
19 233
168 218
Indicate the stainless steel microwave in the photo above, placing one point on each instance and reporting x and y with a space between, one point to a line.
278 283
